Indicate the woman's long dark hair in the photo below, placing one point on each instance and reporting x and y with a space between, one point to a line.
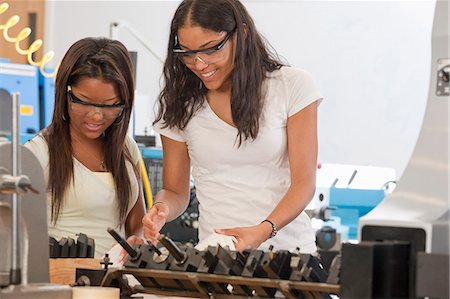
184 93
99 58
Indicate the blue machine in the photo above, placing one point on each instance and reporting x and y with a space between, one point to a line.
23 79
36 98
351 204
350 192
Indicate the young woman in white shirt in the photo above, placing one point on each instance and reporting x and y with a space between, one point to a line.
245 123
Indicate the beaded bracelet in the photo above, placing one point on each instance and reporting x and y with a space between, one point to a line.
274 231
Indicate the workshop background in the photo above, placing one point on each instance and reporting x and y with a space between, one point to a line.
369 58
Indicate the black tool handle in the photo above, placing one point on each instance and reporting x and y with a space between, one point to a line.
133 253
179 255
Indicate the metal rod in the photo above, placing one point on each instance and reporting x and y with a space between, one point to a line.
114 29
179 255
15 135
133 253
352 177
15 272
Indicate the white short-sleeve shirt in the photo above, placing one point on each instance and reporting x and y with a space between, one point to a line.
90 203
240 186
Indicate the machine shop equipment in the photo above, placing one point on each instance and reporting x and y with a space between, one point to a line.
23 79
80 247
344 193
215 272
37 98
24 271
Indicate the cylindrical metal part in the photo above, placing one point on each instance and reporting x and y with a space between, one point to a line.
15 275
13 184
133 253
15 135
179 255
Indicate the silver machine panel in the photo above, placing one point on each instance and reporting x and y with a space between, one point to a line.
34 213
420 204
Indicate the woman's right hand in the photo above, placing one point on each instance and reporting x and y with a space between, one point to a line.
154 220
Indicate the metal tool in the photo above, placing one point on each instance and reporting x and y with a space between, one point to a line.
133 253
24 239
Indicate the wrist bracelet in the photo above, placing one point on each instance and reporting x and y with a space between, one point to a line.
274 228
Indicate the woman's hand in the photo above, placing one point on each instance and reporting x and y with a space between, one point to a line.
248 237
154 220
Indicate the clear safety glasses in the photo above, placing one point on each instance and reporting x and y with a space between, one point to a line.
207 56
82 107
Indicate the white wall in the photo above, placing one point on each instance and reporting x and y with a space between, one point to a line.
371 60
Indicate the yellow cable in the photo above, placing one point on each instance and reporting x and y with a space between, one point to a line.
23 34
146 182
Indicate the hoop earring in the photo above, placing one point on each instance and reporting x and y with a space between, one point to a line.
63 117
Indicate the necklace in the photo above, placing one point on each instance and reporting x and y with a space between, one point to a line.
103 166
100 162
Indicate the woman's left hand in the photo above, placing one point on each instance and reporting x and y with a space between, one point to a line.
247 237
